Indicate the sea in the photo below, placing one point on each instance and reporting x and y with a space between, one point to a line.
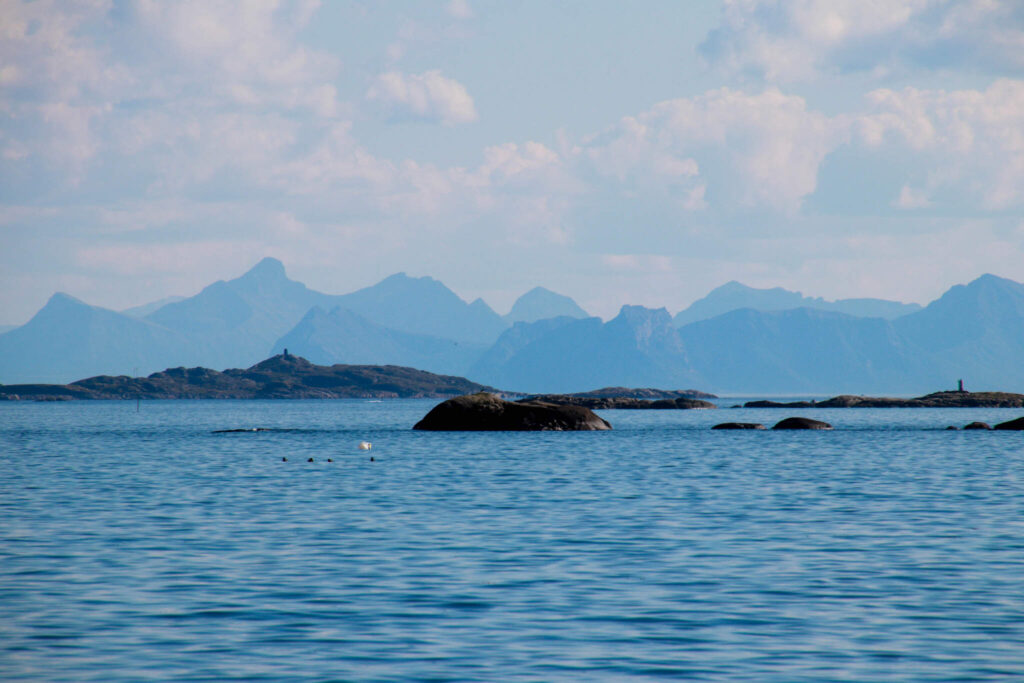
138 545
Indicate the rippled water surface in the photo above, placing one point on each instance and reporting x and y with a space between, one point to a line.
140 546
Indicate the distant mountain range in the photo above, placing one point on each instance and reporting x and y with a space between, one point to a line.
237 322
734 295
737 339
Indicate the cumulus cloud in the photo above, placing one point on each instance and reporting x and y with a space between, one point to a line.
428 96
73 74
972 141
790 40
758 150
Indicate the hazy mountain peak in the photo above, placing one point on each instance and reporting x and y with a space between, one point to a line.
403 278
62 297
988 280
60 304
737 286
424 306
268 269
639 315
540 303
480 305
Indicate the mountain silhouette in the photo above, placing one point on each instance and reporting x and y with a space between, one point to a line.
973 332
342 336
638 348
69 339
234 323
540 303
422 305
804 350
735 295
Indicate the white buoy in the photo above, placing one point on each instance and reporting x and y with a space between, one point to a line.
365 445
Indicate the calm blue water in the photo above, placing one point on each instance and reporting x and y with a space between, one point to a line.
139 546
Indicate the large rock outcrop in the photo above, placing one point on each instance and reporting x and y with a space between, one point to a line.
1013 425
487 412
802 423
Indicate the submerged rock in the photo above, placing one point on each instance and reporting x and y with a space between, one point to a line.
740 425
802 423
978 425
1014 425
487 412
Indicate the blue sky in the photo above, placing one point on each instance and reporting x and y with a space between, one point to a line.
615 152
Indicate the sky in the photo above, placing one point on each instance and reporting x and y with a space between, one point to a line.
615 152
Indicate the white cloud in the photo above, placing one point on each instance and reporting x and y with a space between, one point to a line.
73 75
971 140
248 42
765 148
791 40
428 96
912 199
459 9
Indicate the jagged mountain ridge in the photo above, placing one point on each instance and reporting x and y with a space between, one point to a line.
974 331
231 323
639 347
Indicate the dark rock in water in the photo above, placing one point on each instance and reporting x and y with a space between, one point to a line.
487 412
739 425
802 423
237 431
1014 425
951 427
978 425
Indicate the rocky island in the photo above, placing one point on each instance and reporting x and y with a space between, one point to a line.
281 376
487 412
940 399
622 398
